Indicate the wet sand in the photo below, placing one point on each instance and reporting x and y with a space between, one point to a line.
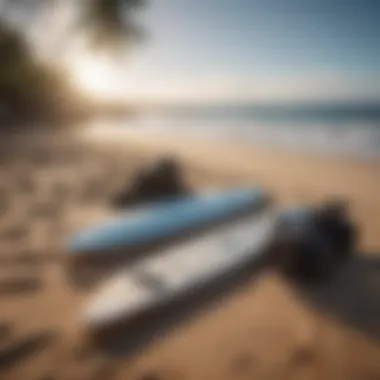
267 329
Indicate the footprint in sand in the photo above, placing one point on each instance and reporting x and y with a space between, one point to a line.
14 233
24 185
21 286
45 210
25 257
93 190
61 192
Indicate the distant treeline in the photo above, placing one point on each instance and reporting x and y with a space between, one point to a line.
33 91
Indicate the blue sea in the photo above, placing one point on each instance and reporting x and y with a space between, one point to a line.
349 129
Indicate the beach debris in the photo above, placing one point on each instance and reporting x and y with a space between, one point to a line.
163 179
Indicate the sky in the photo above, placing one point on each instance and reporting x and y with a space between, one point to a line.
246 50
260 49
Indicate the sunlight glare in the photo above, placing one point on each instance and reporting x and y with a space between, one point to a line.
97 76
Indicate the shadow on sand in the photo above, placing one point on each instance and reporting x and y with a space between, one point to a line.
352 295
26 258
21 286
5 331
24 348
134 336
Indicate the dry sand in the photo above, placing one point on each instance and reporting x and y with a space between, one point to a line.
269 329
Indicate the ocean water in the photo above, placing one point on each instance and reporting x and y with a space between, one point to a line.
352 130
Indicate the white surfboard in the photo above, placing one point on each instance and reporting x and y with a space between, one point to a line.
157 280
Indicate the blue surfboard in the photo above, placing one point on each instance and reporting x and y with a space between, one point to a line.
164 220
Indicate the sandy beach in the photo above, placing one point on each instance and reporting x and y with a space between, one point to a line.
268 329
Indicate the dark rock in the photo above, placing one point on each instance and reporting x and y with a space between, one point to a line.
314 243
163 179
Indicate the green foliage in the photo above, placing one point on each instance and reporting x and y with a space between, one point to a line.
28 87
108 23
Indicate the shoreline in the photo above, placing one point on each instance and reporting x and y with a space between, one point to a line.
128 130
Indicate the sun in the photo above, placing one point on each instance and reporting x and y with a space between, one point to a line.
96 76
